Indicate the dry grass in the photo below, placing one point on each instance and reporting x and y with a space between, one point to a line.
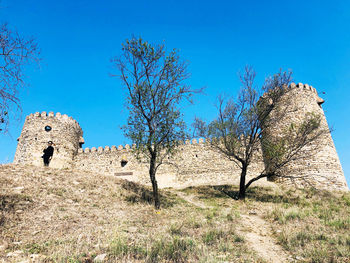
315 227
312 226
64 216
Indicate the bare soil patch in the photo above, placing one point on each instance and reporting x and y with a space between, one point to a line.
257 233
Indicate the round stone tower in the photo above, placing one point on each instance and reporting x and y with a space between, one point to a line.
38 129
318 164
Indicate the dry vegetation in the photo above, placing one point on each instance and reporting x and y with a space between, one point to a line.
49 215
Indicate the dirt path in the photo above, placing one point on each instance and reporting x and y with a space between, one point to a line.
257 233
255 230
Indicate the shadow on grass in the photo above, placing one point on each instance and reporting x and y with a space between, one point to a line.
259 194
137 193
266 195
11 202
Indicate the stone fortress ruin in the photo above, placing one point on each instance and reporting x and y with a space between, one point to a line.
195 162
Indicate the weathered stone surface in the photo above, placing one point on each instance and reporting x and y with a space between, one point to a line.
64 133
192 163
195 162
318 164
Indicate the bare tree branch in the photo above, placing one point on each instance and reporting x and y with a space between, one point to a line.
237 131
15 53
155 86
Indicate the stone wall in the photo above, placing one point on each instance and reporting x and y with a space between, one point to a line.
65 133
195 163
318 163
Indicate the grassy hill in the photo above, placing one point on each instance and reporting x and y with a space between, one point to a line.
49 215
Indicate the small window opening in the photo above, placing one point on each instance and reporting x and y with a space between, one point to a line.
196 155
110 162
123 163
48 128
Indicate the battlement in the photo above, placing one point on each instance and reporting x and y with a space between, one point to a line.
41 127
58 116
107 149
303 86
114 148
195 161
293 86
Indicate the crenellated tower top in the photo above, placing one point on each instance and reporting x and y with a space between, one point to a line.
318 164
39 128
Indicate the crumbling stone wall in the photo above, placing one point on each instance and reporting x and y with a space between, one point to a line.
65 133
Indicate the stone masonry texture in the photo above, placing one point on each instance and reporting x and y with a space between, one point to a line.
194 163
65 134
318 163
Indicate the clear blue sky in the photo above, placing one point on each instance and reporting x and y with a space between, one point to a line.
218 38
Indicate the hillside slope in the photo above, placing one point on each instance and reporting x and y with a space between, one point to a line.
49 215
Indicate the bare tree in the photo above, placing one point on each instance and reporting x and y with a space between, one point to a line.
15 53
155 86
238 130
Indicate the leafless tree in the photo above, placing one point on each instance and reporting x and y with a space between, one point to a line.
15 53
238 130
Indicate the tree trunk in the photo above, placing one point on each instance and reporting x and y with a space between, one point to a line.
242 188
152 175
256 179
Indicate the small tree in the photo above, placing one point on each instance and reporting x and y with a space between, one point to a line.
155 87
237 131
15 53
